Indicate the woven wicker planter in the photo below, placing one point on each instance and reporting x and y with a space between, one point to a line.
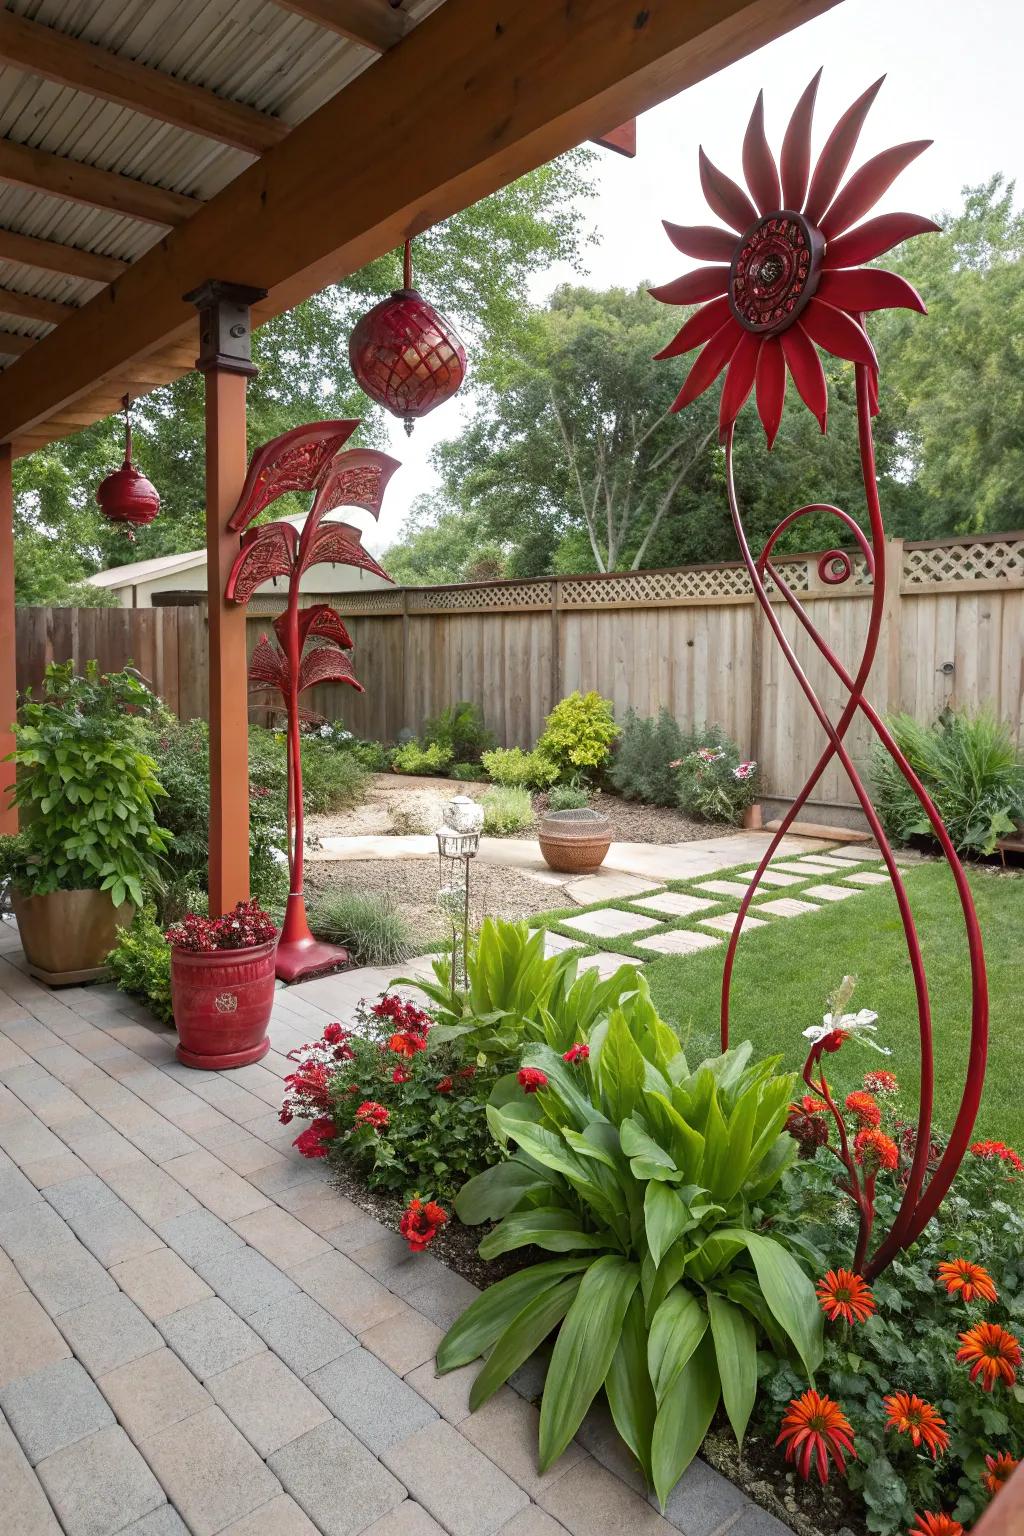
575 841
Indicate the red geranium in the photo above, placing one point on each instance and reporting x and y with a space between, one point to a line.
401 1075
371 1113
311 1081
407 1043
313 1140
421 1223
531 1078
445 1085
998 1149
576 1053
334 1033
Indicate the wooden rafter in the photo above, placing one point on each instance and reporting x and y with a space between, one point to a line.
373 23
30 308
531 78
40 171
51 256
85 67
15 346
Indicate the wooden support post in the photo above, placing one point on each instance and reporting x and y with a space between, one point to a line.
8 672
225 362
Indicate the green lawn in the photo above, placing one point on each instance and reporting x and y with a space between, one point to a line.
785 971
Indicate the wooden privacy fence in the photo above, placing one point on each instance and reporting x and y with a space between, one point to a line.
691 639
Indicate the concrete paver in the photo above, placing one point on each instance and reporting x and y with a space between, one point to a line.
100 1484
829 892
53 1408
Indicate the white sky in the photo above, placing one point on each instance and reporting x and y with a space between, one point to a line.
953 74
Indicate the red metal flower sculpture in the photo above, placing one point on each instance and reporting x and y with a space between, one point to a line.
791 279
790 286
304 459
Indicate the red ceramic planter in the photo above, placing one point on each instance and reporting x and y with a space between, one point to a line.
222 1003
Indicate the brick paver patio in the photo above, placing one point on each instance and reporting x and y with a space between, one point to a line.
197 1334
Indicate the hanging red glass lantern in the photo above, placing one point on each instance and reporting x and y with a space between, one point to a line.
126 497
405 355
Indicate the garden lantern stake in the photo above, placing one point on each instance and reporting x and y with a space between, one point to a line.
126 497
788 277
307 458
406 355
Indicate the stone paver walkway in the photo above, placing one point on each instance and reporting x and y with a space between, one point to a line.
198 1335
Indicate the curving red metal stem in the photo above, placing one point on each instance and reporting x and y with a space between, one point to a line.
789 288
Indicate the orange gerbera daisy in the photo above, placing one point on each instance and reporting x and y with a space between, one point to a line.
992 1353
969 1279
815 1428
928 1524
843 1294
863 1106
910 1415
1000 1469
788 274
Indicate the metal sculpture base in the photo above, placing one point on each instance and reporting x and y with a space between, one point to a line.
299 954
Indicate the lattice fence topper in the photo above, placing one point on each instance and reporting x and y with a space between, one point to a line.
506 594
789 278
1003 559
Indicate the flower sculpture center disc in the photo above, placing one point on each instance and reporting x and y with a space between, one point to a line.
774 272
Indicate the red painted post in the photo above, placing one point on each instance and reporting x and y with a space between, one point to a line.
8 673
225 361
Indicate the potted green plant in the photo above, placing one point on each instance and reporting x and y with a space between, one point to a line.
222 986
89 842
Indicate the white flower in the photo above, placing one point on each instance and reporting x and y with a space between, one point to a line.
860 1026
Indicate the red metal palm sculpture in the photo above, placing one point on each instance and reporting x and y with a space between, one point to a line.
306 459
790 280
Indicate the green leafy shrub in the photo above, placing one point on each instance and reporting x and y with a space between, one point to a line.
578 735
517 769
369 925
331 780
460 728
374 756
506 810
712 782
87 791
970 767
568 797
642 767
469 773
141 964
644 1178
412 758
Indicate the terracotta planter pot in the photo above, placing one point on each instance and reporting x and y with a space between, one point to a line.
222 1003
67 935
753 819
575 842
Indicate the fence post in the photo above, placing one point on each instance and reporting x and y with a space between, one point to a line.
556 643
404 674
891 638
753 746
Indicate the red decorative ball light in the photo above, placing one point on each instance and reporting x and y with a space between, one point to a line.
126 497
405 355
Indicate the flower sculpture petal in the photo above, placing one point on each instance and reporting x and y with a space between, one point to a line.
787 277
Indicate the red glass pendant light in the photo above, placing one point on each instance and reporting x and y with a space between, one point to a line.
126 497
406 355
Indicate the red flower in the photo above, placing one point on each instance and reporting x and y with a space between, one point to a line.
401 1075
311 1081
312 1142
407 1043
880 1082
469 1071
787 278
530 1079
990 1149
992 1353
967 1278
1000 1469
576 1053
813 1429
810 1104
928 1524
875 1150
911 1415
805 1125
334 1034
843 1294
863 1106
420 1223
285 1115
445 1085
371 1113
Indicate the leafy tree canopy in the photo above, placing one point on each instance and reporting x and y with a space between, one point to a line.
475 266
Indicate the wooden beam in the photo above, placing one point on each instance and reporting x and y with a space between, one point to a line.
50 256
30 308
8 675
530 79
15 346
85 67
622 139
40 171
373 23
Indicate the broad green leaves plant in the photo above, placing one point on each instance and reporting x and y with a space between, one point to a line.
645 1177
87 792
